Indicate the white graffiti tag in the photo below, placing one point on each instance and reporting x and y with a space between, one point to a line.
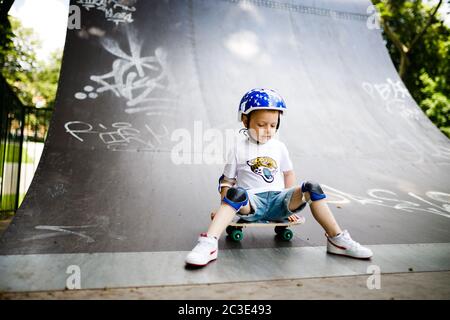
122 136
387 198
50 231
394 94
137 79
117 11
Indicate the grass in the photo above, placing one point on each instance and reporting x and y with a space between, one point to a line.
7 203
12 153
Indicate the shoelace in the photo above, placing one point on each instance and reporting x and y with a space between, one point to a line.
203 245
353 243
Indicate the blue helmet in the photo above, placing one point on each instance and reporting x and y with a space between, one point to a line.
260 99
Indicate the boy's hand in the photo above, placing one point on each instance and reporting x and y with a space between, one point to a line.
294 218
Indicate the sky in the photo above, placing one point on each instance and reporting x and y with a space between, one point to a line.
49 21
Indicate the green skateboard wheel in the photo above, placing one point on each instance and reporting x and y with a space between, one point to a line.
230 229
237 235
279 229
287 234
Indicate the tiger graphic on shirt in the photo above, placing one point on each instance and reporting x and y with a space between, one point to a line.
265 167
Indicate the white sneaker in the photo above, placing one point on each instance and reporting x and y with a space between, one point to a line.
204 252
344 245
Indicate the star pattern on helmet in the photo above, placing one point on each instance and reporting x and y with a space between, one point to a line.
259 98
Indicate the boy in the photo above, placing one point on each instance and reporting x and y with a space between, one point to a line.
258 182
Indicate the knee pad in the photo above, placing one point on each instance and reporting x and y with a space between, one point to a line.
225 182
236 198
314 189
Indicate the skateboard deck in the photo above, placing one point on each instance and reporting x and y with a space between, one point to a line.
265 223
234 229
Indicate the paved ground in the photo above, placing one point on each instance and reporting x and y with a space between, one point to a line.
417 285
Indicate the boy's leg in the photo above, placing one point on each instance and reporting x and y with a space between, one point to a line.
319 209
338 241
223 217
206 249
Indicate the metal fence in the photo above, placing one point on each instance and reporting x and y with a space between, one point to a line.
22 134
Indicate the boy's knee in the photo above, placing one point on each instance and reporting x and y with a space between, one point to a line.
236 198
304 196
247 209
312 191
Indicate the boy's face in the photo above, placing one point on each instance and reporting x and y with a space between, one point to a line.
263 124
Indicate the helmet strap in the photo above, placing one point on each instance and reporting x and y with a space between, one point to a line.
247 125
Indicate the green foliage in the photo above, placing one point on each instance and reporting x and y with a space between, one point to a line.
13 152
7 203
435 104
6 43
46 78
428 67
32 80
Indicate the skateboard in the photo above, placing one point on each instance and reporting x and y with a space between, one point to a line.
234 229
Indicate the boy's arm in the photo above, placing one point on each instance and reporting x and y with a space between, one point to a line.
225 184
289 179
223 192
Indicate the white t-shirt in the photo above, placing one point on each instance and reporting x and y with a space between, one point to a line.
258 167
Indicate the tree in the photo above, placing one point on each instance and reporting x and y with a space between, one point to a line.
6 35
33 81
419 44
408 40
46 77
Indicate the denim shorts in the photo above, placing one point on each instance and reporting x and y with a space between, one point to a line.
270 205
